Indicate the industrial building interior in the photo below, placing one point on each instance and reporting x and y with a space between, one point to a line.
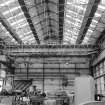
52 52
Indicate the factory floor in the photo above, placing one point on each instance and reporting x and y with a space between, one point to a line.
8 100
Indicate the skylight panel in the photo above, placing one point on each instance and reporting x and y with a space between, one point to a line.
26 29
7 2
28 32
92 26
29 3
73 41
25 40
94 23
68 37
29 40
69 16
15 16
20 16
97 14
77 4
12 17
32 42
85 41
101 7
6 33
100 27
90 31
70 24
11 10
87 36
19 21
74 13
73 32
21 26
27 37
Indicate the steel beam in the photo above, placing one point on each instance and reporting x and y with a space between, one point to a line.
61 19
13 33
48 13
52 46
49 26
51 11
61 60
51 19
89 14
101 39
53 37
26 13
43 1
39 76
49 50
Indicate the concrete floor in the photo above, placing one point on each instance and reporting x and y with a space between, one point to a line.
7 100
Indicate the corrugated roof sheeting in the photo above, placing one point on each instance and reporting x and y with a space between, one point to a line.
52 21
97 25
11 10
74 13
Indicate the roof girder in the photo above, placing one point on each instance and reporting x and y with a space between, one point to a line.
61 19
49 19
53 28
13 33
26 13
44 2
90 11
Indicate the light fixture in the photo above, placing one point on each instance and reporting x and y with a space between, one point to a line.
67 63
1 84
2 74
